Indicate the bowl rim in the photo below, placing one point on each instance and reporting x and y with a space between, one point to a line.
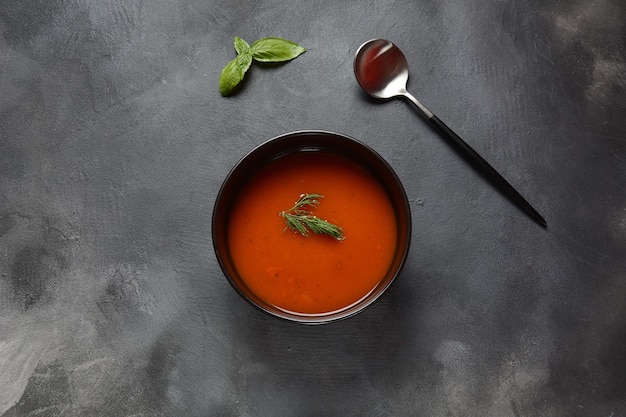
404 229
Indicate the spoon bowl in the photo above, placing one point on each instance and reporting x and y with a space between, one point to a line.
381 69
383 72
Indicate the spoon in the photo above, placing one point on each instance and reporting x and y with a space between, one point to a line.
382 71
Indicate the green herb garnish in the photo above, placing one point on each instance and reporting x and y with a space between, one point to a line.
263 50
300 220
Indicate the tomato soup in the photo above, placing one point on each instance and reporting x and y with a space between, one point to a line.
315 274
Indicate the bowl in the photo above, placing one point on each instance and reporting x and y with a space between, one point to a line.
311 275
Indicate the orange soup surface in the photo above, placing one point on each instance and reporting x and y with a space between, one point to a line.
315 274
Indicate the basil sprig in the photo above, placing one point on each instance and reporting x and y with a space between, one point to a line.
262 50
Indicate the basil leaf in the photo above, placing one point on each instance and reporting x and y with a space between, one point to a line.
233 73
275 50
235 70
241 46
263 50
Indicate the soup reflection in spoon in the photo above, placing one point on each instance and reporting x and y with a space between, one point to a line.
382 71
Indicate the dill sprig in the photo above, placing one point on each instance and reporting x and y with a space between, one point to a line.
300 220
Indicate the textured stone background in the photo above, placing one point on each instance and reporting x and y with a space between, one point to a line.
113 143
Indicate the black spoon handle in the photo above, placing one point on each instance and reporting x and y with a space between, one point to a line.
484 168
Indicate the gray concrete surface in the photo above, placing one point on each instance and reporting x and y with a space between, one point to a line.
114 140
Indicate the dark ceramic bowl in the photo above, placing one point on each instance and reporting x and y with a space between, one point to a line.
310 141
